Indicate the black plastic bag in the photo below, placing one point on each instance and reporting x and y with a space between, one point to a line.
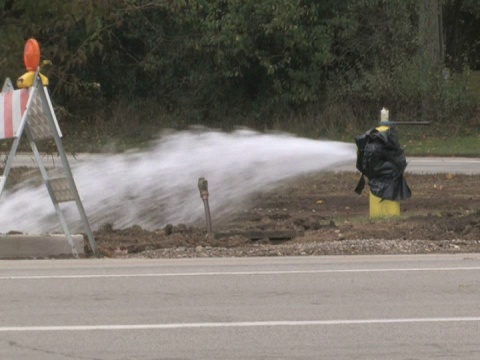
381 159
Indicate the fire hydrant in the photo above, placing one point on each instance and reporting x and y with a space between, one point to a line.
381 159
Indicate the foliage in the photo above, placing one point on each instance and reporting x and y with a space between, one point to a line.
253 61
461 22
374 47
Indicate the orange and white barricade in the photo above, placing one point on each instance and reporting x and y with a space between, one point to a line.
29 111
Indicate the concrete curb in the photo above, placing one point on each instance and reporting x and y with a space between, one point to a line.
21 246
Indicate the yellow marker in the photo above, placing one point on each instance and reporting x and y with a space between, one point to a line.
27 79
379 207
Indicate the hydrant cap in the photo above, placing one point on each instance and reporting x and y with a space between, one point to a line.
384 115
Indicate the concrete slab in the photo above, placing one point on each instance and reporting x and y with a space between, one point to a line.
21 246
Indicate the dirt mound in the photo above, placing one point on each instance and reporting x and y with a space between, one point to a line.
320 214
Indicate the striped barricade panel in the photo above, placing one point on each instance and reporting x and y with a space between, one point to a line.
12 107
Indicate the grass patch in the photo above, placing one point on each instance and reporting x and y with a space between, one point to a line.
133 124
468 146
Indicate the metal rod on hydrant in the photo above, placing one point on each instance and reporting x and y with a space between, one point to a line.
203 187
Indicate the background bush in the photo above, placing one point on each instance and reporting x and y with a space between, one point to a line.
317 68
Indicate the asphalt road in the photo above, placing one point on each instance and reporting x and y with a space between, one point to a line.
359 307
416 165
434 165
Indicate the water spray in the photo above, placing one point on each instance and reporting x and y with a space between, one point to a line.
153 187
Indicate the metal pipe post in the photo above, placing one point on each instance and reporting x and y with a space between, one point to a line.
203 187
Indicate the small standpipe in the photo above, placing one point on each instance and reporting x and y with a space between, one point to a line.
203 187
384 115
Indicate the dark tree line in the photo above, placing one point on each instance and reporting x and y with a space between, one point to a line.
213 59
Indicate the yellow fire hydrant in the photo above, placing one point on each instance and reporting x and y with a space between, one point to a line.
381 159
379 207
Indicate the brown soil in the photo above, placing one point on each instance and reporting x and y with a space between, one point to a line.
320 214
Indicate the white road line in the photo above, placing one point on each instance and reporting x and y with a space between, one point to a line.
236 324
233 273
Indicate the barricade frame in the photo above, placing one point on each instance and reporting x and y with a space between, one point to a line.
27 121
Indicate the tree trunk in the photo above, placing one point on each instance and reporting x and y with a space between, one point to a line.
431 40
431 32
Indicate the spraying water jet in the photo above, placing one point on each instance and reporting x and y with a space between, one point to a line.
158 188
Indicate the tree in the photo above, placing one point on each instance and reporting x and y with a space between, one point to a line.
462 39
431 30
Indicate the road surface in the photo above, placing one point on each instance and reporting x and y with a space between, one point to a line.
358 307
416 165
434 165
